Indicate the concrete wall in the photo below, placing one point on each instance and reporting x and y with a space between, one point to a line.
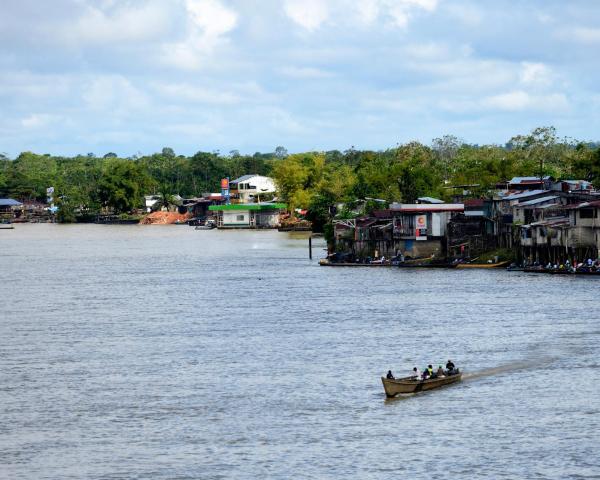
236 218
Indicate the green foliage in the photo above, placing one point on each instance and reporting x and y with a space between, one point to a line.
121 185
316 181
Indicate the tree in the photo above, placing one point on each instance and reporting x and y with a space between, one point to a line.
280 152
110 155
168 152
165 198
445 150
121 184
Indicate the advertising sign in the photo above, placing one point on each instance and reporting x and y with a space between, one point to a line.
421 227
225 189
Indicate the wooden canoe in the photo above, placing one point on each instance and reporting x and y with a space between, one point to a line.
397 386
483 265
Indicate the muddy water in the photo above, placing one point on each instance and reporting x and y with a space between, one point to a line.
165 352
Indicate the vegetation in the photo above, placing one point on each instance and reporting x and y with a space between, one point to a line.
315 181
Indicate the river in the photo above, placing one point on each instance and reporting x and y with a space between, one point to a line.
162 352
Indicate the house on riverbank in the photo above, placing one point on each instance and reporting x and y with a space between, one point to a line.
415 230
559 220
249 188
248 215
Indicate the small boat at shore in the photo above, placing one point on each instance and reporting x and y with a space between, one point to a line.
396 386
483 265
328 263
563 271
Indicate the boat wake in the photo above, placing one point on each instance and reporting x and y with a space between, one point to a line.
509 367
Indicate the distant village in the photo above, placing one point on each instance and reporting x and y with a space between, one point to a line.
246 202
529 220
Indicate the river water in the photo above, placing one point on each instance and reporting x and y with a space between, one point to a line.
162 352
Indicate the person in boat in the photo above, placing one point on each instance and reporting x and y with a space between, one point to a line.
450 367
416 374
425 375
440 372
430 370
390 375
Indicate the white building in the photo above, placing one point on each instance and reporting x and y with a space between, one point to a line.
249 188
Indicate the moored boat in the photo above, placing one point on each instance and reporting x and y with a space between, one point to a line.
397 386
483 265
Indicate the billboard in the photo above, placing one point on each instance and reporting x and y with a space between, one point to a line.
421 227
225 189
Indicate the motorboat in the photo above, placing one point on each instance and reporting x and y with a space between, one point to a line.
395 386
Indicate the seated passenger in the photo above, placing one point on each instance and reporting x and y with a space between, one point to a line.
430 370
450 367
390 375
416 373
425 374
440 372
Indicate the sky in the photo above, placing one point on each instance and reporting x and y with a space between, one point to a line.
134 76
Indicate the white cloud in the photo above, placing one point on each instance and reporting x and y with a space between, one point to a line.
209 22
309 14
125 23
586 35
535 74
113 93
39 120
519 100
198 94
305 72
211 17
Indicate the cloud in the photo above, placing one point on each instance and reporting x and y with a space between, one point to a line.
586 35
113 93
312 14
197 94
535 74
78 75
123 23
39 120
519 100
305 72
208 22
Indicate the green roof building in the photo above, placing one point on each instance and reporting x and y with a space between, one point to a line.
248 215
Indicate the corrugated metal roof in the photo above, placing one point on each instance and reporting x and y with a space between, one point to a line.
529 193
518 180
243 178
537 200
592 204
248 206
429 200
9 202
427 207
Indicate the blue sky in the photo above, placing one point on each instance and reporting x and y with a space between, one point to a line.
133 76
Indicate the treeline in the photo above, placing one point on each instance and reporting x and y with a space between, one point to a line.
313 180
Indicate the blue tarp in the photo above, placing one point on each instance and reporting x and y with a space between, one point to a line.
9 202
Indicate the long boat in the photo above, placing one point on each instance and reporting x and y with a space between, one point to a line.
327 263
397 386
562 272
483 265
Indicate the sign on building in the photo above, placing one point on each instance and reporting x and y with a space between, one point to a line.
225 189
421 227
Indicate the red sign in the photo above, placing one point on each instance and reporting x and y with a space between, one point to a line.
224 184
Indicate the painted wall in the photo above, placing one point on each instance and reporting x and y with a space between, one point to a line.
237 218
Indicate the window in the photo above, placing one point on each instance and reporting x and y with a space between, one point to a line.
240 218
586 213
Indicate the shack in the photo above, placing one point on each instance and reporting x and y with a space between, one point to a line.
248 215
